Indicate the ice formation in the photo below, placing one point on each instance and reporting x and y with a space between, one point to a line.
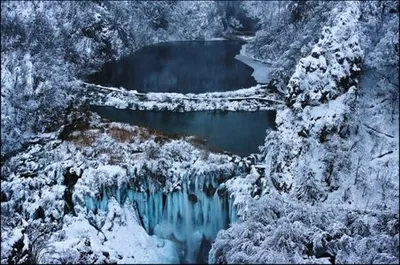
192 214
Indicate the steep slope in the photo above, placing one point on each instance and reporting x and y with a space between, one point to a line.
329 184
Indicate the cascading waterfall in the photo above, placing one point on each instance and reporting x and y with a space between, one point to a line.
191 214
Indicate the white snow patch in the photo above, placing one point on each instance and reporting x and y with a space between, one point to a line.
261 70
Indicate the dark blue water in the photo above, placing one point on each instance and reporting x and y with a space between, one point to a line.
180 66
237 132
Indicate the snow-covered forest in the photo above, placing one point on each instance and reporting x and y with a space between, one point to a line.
323 188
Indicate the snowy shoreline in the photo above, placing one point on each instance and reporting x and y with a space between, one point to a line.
245 99
248 99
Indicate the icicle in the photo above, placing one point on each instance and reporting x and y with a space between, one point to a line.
89 202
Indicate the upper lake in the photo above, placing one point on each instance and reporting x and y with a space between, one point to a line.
179 66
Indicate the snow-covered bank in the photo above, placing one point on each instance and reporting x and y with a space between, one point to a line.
261 70
247 99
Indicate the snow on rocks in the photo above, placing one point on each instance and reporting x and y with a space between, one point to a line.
120 239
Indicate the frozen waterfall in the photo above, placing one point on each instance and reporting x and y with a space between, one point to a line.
191 214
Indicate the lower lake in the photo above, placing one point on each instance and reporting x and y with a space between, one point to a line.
236 132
